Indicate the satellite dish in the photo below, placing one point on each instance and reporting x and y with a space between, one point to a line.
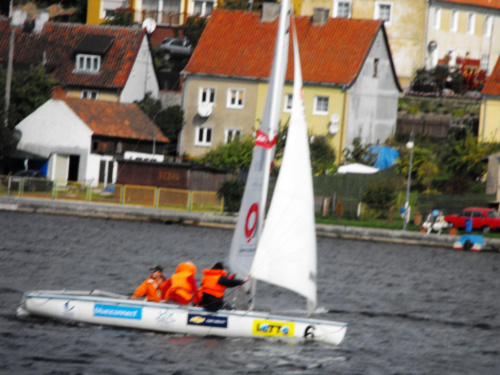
149 24
205 110
333 129
17 135
431 47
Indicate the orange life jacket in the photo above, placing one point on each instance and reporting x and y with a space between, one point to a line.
209 283
180 285
151 289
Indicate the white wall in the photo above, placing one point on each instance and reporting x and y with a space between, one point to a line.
55 129
373 101
142 77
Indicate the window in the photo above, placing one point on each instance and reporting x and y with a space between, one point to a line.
89 94
207 95
320 105
342 9
375 68
235 98
488 25
88 63
287 105
484 61
119 147
203 136
437 18
232 135
203 8
471 23
383 11
454 21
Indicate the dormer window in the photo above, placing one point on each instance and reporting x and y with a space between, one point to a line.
88 63
90 53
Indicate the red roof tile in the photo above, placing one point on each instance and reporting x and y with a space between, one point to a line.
112 119
56 45
238 44
492 85
494 4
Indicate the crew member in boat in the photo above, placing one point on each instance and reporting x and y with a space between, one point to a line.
152 286
213 284
181 287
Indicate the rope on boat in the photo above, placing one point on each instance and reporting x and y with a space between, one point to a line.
50 270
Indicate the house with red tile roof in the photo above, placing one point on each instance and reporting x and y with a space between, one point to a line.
81 139
489 123
350 84
92 62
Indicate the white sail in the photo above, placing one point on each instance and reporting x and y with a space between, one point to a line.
286 253
251 215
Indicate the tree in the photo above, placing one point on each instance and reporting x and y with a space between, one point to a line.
322 155
359 153
29 90
424 167
235 156
122 17
170 120
466 157
193 28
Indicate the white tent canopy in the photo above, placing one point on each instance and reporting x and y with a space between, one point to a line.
357 168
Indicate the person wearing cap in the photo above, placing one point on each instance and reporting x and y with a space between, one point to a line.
152 286
213 284
181 287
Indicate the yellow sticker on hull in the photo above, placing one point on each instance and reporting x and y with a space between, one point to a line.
272 328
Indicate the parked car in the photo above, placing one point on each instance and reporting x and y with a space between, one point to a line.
484 219
176 47
34 181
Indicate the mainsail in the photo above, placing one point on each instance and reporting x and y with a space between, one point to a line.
286 253
251 216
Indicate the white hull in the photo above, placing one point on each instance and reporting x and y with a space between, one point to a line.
102 308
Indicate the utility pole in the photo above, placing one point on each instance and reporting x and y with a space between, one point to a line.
17 18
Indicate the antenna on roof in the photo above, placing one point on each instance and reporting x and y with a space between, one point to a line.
149 24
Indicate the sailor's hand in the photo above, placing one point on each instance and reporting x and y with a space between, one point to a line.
247 279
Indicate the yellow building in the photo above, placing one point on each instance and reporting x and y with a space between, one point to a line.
422 32
350 87
489 125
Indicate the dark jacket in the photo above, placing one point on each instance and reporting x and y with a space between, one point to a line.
213 303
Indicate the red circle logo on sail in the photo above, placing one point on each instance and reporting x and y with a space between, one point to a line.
251 225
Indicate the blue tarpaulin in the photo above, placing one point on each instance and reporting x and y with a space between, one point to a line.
386 156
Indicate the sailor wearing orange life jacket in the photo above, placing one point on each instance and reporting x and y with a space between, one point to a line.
213 284
151 287
182 287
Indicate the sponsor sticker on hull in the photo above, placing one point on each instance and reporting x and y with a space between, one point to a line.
207 320
121 312
272 328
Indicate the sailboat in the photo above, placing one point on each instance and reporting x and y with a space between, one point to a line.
280 250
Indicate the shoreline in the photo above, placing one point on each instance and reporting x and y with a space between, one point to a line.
138 213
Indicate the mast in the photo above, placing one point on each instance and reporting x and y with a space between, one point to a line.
251 216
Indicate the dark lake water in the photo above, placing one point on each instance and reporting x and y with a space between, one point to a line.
411 309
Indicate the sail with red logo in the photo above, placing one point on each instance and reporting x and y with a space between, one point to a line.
251 215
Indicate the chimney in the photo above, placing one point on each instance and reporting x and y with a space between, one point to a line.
270 11
320 16
40 20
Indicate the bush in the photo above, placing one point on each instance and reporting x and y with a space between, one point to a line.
380 196
232 192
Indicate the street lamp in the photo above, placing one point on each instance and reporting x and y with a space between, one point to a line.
410 145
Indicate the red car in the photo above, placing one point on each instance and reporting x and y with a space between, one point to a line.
484 219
